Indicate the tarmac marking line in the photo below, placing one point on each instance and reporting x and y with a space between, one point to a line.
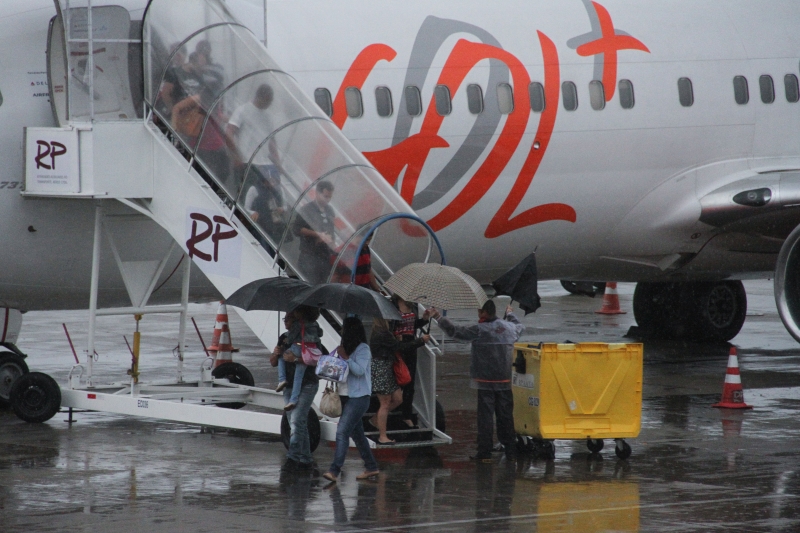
525 517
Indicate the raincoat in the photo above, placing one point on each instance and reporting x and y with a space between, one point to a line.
492 349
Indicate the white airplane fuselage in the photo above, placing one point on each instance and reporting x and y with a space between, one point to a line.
601 192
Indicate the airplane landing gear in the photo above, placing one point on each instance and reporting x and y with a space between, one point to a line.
703 311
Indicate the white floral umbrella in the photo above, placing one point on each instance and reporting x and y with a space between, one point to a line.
435 285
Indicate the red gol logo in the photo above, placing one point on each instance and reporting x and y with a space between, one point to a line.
211 230
52 149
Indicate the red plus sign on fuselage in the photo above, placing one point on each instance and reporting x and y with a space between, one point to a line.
608 45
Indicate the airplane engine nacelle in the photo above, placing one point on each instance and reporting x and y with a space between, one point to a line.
787 283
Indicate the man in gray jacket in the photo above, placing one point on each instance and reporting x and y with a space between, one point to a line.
490 371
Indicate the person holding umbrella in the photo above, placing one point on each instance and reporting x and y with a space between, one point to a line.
299 454
303 329
405 330
492 351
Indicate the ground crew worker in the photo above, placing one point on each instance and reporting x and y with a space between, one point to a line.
490 370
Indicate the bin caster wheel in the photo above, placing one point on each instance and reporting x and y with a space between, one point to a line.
623 449
524 445
549 450
594 445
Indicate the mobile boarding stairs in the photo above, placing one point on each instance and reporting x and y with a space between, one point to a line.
116 143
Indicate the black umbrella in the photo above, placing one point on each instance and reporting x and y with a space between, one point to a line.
347 298
521 283
269 294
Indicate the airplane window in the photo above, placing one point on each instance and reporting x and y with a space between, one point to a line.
626 99
444 105
597 95
383 99
570 95
475 99
740 91
322 97
767 89
536 96
505 98
413 101
685 92
789 83
353 102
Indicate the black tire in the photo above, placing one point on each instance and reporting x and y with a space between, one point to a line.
718 310
595 445
441 423
624 452
314 430
660 309
35 397
12 367
235 373
582 287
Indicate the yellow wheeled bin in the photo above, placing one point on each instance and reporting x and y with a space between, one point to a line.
590 391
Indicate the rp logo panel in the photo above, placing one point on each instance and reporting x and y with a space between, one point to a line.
213 243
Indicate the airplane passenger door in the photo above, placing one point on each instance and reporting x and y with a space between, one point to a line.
84 88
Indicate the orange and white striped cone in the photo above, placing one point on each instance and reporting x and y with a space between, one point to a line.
610 301
222 318
224 348
732 392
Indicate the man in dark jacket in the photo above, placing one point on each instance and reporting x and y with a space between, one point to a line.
314 224
490 370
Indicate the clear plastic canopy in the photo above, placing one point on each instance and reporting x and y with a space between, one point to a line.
309 193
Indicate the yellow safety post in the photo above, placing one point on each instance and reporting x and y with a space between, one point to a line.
134 370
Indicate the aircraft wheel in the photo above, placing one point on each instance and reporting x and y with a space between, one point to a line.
12 367
235 373
586 288
35 397
314 430
719 310
659 308
595 445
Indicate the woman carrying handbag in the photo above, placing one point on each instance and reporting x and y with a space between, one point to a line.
385 348
355 350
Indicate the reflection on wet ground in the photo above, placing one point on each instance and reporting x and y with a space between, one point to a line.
693 468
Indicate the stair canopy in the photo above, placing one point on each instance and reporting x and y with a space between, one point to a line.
268 146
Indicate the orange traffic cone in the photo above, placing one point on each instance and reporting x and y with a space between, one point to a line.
610 300
224 347
732 392
222 318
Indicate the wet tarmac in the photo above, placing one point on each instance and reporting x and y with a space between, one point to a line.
693 467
